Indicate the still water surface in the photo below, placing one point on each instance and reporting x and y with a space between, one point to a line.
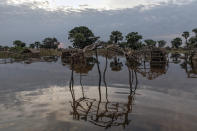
108 95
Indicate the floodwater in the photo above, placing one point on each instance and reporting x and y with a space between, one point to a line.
98 94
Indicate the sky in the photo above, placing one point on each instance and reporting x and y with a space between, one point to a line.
34 20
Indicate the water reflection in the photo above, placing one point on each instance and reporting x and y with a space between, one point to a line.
101 111
70 100
190 66
149 70
116 64
30 60
175 57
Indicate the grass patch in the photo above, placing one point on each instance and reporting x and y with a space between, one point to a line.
50 52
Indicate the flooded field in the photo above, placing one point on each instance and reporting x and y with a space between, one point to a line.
99 93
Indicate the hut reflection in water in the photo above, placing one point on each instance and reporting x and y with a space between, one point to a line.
102 112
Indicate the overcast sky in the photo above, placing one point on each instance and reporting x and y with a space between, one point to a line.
33 20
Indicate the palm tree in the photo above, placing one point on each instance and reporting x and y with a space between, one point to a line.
133 40
186 36
116 36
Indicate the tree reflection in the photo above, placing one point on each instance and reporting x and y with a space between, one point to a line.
175 57
150 70
189 66
116 64
103 112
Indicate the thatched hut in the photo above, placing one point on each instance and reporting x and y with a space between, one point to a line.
69 52
34 53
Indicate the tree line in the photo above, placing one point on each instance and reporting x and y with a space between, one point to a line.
47 43
82 36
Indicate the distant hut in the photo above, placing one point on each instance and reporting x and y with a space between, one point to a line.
31 53
70 52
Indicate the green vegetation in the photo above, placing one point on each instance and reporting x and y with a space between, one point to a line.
115 37
176 42
150 43
134 40
50 43
50 52
186 36
161 43
36 45
18 43
81 37
47 48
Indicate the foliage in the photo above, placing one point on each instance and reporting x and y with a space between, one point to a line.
116 36
18 43
123 44
195 31
186 35
161 43
176 43
193 42
50 43
133 40
37 44
32 46
150 43
81 37
49 52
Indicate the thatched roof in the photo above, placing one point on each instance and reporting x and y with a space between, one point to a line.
29 50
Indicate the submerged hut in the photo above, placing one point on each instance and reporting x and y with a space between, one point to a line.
70 52
34 53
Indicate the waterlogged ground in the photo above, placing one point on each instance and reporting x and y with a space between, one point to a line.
109 95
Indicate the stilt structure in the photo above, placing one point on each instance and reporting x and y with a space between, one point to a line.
194 55
158 57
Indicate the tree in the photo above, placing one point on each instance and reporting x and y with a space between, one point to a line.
193 42
123 44
116 36
32 46
50 43
177 42
186 36
37 44
133 40
161 43
150 43
195 31
81 37
18 43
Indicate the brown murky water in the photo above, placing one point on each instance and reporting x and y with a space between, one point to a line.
108 95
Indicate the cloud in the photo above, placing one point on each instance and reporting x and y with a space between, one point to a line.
21 21
54 5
